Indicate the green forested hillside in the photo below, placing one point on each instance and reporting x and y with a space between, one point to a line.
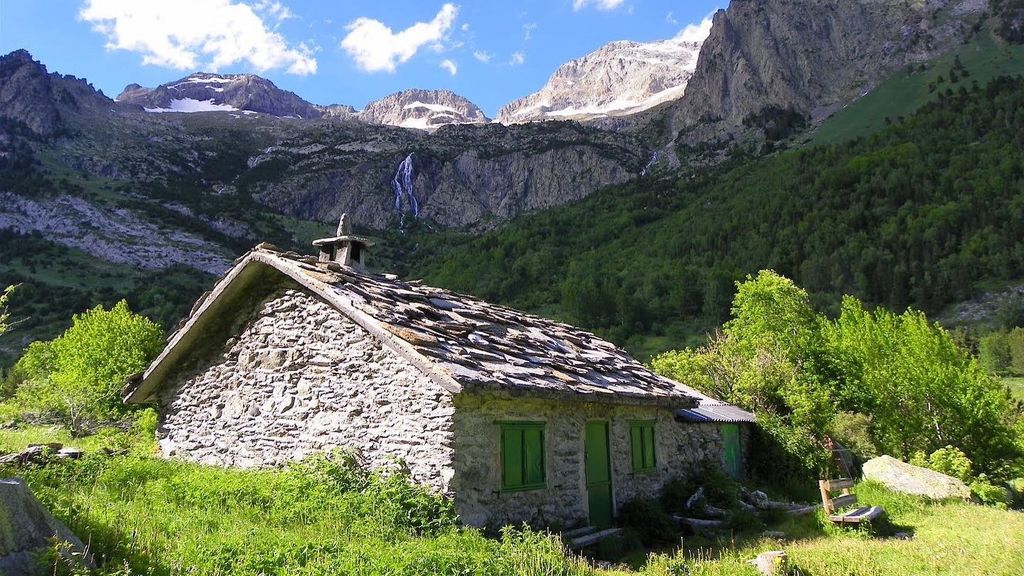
915 215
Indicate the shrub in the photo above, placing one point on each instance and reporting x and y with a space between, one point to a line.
951 461
78 376
990 494
649 519
853 431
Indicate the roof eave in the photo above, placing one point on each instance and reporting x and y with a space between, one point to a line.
144 389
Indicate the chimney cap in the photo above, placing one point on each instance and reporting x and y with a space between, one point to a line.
344 235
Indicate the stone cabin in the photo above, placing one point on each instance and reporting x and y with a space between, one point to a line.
517 418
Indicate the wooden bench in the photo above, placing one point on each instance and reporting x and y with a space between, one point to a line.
834 504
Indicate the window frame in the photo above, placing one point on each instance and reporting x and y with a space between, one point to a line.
521 428
638 460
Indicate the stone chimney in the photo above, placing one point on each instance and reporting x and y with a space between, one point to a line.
344 248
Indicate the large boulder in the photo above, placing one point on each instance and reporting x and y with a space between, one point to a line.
899 476
26 529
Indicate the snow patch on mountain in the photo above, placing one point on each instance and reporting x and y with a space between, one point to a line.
422 110
619 78
189 105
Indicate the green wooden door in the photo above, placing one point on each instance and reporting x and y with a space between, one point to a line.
733 455
599 474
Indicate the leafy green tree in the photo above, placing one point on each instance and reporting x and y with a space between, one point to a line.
892 383
1015 346
758 363
922 391
994 352
79 375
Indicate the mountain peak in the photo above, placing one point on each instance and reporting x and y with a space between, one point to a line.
618 78
207 91
423 109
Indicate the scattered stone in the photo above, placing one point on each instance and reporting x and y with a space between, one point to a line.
909 479
71 453
758 499
903 536
697 501
26 528
699 524
773 563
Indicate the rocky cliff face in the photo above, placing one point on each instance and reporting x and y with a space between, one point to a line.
618 78
765 57
41 101
209 92
459 175
423 109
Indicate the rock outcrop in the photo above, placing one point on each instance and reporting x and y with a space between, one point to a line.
899 476
26 529
423 109
203 91
38 99
618 78
766 57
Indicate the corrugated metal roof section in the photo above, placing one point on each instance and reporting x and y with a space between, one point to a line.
707 412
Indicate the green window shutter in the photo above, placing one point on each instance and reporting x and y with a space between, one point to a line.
641 439
522 456
636 442
649 447
512 457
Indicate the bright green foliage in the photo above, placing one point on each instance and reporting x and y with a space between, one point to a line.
759 363
991 494
882 382
322 516
78 376
951 461
922 391
1002 352
994 352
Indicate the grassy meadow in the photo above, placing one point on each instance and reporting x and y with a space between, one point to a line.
145 515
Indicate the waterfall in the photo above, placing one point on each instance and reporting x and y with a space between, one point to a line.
402 186
650 163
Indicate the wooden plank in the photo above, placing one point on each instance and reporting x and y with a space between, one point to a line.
826 497
838 484
844 501
591 539
865 514
577 532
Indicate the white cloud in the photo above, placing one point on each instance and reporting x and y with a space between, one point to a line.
193 34
450 66
483 56
578 5
528 30
671 19
376 48
276 9
518 58
696 32
464 27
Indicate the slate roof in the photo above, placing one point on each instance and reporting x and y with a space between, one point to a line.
465 343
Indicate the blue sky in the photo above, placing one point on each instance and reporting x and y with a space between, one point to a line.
344 51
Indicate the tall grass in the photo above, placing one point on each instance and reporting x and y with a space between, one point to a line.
143 515
147 516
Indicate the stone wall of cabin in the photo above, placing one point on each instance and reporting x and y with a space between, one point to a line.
300 378
680 449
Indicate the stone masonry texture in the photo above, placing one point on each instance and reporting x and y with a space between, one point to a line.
301 378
